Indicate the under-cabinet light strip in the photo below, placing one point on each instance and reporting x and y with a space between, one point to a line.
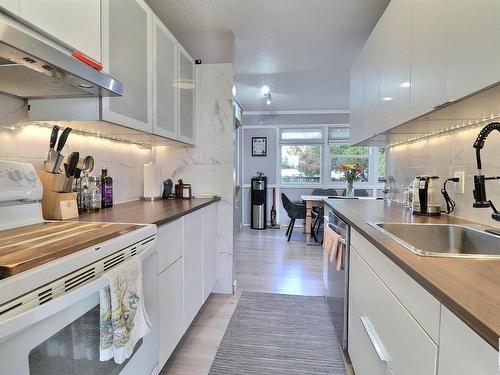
42 124
450 129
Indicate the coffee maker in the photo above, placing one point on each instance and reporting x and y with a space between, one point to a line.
426 197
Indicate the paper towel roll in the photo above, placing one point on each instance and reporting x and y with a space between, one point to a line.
152 181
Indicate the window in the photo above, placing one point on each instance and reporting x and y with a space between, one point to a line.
311 156
343 154
301 156
300 164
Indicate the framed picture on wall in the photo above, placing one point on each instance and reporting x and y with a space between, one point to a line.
259 146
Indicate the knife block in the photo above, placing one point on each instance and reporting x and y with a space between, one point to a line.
56 206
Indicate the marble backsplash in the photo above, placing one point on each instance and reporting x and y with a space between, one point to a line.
209 165
29 143
443 156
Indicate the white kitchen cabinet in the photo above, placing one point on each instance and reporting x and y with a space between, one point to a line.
371 83
186 86
357 97
418 301
363 354
428 56
169 243
171 328
193 265
165 113
209 249
404 347
462 351
127 56
472 51
10 5
75 23
395 50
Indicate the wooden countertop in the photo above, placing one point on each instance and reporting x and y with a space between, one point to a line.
31 246
148 212
470 288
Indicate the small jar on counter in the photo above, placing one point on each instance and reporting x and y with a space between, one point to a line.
183 190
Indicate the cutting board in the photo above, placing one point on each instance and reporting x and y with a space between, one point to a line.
28 247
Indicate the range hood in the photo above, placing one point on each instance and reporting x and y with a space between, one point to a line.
33 68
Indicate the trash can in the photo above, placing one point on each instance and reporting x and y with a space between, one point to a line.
259 202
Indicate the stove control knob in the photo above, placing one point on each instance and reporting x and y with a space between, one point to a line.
30 176
16 175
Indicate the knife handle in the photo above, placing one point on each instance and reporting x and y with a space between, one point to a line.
53 136
72 163
63 138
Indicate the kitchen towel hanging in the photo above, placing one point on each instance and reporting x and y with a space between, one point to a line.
123 317
333 246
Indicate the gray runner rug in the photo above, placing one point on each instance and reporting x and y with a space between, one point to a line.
279 334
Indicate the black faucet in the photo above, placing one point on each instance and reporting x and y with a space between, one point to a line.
480 200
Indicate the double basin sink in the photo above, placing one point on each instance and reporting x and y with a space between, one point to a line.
444 240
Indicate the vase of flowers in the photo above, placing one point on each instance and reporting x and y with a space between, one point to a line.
352 173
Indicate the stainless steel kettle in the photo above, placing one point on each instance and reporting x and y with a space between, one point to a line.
426 196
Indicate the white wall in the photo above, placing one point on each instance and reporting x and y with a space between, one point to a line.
209 165
29 143
445 155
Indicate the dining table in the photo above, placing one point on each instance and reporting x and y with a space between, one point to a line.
311 201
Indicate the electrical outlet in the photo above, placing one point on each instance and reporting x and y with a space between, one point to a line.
460 185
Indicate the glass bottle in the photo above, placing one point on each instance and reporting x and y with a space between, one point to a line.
94 193
106 189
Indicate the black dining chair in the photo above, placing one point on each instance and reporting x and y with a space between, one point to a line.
325 192
296 211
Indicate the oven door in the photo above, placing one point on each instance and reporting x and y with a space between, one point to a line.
61 337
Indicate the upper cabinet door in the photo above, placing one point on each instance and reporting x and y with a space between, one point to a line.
371 83
10 5
186 84
127 56
395 64
356 99
428 61
77 24
473 52
165 81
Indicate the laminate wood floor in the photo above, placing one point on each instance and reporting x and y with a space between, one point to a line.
264 262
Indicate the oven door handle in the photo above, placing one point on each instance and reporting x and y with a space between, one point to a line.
27 318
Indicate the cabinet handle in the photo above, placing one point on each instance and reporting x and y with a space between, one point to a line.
376 342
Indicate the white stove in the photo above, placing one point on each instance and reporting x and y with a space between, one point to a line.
49 314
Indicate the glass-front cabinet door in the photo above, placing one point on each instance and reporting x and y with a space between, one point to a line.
165 118
186 85
127 56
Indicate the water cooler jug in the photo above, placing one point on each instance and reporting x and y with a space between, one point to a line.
258 202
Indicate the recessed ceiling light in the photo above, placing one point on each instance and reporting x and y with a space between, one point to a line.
265 90
386 98
405 84
234 90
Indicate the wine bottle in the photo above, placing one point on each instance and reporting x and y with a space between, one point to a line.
106 189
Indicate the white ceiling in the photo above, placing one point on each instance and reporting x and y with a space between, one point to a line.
301 49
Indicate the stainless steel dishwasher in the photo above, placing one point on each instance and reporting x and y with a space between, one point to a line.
337 282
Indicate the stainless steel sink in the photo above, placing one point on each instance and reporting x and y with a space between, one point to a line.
443 240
